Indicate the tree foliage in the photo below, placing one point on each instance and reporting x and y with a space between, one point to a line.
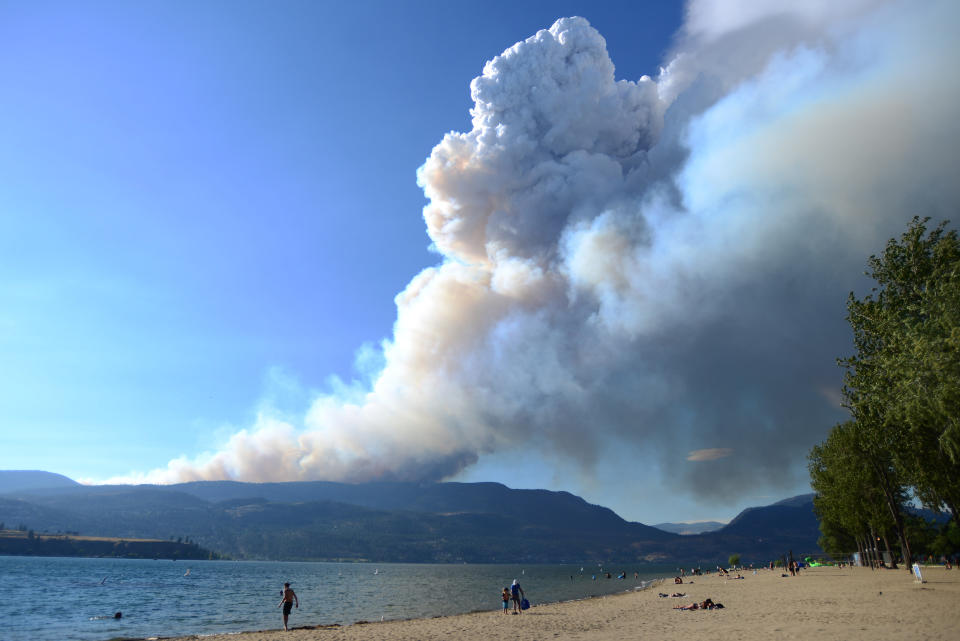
857 493
902 387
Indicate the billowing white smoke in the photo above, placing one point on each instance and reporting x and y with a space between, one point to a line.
658 265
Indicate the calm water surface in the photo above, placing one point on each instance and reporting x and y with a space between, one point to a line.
60 599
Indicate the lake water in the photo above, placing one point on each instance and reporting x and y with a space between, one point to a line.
58 599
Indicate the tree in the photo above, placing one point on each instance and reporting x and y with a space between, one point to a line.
854 484
947 540
734 560
835 541
902 385
904 380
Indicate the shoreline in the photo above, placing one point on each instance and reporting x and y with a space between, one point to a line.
645 585
857 604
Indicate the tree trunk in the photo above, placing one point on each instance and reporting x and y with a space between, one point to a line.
894 511
886 544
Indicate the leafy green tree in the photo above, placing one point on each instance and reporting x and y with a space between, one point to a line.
734 560
902 385
922 534
947 540
852 481
906 373
836 541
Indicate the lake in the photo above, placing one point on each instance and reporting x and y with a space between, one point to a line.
43 598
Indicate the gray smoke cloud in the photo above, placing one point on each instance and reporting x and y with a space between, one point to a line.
656 266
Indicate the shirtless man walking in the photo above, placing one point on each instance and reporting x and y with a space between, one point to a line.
289 598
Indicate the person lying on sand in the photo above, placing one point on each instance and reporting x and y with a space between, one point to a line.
706 604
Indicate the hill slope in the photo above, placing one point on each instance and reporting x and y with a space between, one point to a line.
441 522
16 480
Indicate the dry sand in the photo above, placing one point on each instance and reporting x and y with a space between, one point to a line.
854 604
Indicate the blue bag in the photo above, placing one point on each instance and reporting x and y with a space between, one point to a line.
524 605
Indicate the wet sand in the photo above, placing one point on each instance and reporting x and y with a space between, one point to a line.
853 604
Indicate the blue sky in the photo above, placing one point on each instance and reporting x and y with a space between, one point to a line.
207 211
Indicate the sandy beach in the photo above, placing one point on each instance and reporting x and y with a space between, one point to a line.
821 603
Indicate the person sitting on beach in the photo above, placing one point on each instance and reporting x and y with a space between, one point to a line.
516 593
678 580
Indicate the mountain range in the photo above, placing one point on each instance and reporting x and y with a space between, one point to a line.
411 522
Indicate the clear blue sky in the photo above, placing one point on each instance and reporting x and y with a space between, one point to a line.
195 195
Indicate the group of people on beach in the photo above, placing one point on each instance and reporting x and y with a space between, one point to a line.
515 594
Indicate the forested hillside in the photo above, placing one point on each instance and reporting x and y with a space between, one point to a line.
436 522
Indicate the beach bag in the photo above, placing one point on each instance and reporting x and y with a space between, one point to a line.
524 605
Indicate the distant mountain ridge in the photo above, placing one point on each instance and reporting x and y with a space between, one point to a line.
16 480
783 518
544 507
439 522
697 527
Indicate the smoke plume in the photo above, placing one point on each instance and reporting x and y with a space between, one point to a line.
658 265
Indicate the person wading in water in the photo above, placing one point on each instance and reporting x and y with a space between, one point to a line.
289 598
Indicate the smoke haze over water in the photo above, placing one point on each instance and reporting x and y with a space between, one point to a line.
659 265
